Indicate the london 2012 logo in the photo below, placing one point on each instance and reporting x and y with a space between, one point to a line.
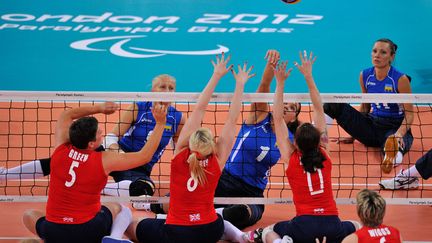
118 48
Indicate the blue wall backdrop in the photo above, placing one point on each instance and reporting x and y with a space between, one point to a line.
111 45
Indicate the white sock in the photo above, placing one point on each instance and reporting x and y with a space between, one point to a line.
29 170
399 157
411 172
219 211
277 241
119 189
161 216
232 233
121 222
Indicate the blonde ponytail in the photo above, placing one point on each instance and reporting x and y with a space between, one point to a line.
200 142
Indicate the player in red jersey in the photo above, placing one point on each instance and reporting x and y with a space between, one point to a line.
371 210
308 172
79 173
195 171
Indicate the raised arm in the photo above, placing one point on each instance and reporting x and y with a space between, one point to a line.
318 116
225 141
194 120
66 118
114 161
259 111
281 130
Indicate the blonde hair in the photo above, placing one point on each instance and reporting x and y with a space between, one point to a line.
371 208
200 141
160 78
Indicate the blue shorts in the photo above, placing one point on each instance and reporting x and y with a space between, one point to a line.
130 175
370 130
305 228
91 231
230 186
156 231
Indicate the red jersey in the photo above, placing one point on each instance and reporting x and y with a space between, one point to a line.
190 203
76 180
312 192
382 233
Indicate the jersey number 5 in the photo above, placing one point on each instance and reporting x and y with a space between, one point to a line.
70 183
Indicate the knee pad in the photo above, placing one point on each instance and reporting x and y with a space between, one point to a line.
238 215
157 208
141 187
333 109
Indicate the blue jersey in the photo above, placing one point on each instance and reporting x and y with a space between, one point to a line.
136 136
388 85
254 153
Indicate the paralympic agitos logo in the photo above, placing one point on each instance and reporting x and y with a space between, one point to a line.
122 32
136 52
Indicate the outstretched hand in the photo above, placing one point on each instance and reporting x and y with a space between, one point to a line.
243 74
281 73
306 63
108 107
159 112
272 57
220 67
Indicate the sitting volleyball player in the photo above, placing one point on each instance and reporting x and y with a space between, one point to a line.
135 126
388 125
308 171
407 179
371 210
78 173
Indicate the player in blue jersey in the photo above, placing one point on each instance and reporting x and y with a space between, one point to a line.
134 128
254 153
388 124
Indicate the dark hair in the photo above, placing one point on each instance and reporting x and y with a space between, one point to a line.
393 46
83 131
292 126
308 138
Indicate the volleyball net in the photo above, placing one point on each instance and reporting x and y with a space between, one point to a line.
27 125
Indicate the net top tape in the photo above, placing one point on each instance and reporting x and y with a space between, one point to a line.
216 97
223 200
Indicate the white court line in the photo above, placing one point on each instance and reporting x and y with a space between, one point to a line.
270 184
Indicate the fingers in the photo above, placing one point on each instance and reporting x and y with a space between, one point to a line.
250 69
228 58
272 56
301 57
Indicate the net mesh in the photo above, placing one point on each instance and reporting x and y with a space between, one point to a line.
27 125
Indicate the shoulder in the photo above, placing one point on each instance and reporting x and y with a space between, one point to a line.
174 111
264 118
181 153
143 105
367 71
395 72
352 238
